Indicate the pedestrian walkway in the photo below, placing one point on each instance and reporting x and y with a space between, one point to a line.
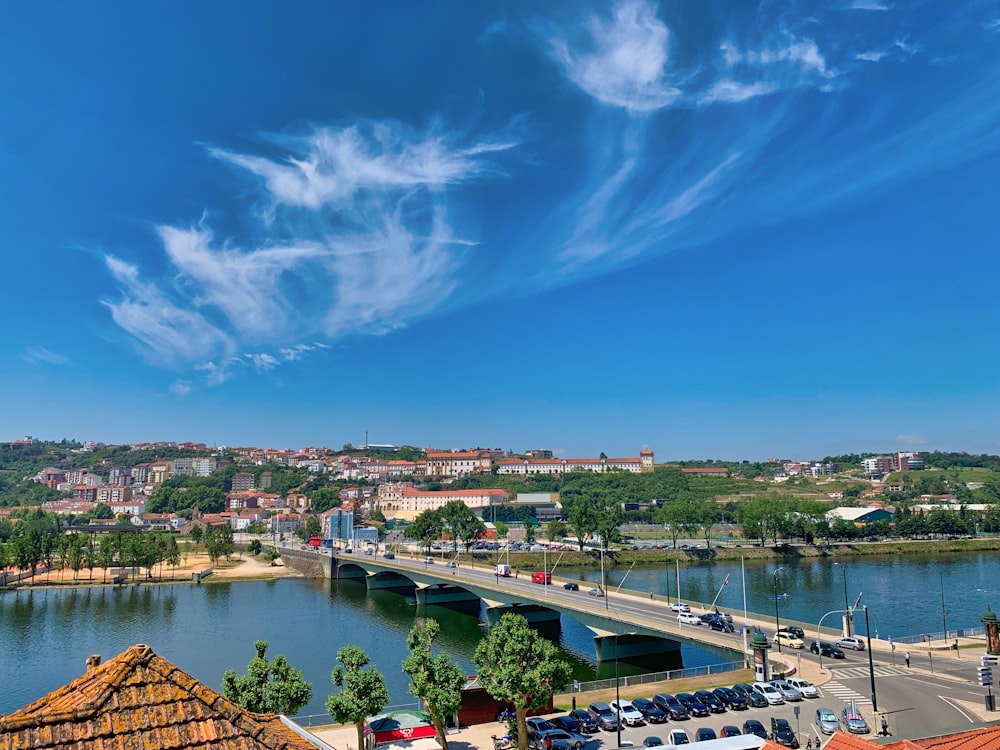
847 672
844 693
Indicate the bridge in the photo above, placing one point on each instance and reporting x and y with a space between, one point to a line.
625 625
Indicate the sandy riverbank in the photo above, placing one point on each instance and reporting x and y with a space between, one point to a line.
239 568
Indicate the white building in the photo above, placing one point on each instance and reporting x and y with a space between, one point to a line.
405 501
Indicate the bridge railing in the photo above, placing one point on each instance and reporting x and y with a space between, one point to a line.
941 636
314 720
673 674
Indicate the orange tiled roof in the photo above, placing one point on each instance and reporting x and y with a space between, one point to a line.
987 738
845 741
140 700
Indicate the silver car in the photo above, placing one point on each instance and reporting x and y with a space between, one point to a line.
788 692
854 721
827 721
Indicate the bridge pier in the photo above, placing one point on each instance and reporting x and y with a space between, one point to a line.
444 593
535 614
389 581
632 647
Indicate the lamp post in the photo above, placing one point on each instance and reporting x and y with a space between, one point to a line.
618 697
871 663
944 612
777 623
847 606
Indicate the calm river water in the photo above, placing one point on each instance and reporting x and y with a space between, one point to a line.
45 636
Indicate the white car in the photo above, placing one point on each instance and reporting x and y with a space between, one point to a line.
771 694
803 686
680 607
686 618
629 714
787 639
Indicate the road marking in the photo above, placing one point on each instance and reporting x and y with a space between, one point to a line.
971 720
845 693
845 672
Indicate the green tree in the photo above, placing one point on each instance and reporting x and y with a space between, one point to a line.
555 531
436 680
268 686
463 522
272 555
501 528
583 516
313 527
362 691
323 499
197 534
254 547
427 527
518 666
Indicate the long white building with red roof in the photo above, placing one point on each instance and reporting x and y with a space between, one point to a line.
532 466
403 500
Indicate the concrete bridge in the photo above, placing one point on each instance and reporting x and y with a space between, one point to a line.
625 625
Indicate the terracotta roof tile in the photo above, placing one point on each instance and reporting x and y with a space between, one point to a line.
138 700
987 738
844 741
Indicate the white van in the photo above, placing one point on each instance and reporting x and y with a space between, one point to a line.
502 570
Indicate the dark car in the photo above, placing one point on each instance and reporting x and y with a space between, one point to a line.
733 700
606 718
694 706
705 733
570 586
729 731
671 706
652 742
650 711
567 723
752 726
782 733
587 722
797 632
715 705
826 649
721 626
389 556
752 697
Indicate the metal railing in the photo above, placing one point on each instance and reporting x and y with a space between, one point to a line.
941 636
312 720
674 674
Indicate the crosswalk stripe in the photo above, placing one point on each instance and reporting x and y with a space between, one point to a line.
863 671
845 693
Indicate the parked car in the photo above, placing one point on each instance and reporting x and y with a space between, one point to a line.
855 644
826 649
678 737
650 711
729 731
652 741
827 721
805 687
686 618
605 717
854 721
538 724
571 586
694 706
711 700
705 733
783 734
796 631
787 691
586 720
752 726
787 639
770 692
559 739
753 698
671 706
680 607
733 700
628 714
568 723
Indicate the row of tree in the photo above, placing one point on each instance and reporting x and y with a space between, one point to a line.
515 665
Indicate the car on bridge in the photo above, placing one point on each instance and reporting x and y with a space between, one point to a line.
826 649
680 607
796 631
852 643
686 618
787 639
571 586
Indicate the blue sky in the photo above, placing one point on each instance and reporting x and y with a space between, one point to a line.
717 229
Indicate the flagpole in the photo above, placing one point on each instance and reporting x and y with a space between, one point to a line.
678 564
724 584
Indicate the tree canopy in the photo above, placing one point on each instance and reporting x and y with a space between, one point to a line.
268 686
362 691
436 680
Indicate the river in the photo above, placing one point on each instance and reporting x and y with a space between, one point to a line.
47 634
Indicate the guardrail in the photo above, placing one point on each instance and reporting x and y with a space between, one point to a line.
941 636
312 720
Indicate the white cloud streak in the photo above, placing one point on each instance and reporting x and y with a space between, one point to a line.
622 62
730 91
870 56
869 5
38 355
181 387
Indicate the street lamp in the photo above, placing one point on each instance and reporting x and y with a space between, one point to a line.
847 605
777 623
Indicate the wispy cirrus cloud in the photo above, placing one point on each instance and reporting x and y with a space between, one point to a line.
993 25
357 236
869 5
870 56
621 61
729 91
911 439
40 355
181 387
